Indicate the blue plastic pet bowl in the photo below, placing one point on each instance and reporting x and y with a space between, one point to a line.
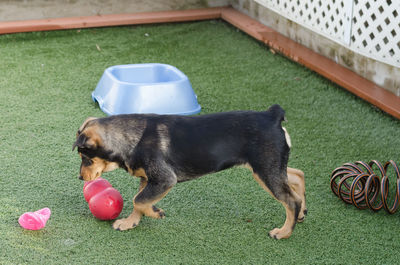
145 88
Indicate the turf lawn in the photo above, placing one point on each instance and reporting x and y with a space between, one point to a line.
224 218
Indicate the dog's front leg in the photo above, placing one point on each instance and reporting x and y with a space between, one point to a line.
152 189
128 223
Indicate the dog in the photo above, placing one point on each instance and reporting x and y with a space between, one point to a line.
163 150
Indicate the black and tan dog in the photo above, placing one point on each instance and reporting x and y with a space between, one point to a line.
165 149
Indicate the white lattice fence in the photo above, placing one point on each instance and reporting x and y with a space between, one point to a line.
376 29
369 27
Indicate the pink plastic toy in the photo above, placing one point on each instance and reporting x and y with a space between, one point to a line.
35 220
105 202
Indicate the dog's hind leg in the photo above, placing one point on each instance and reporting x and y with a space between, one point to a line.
278 187
297 183
151 190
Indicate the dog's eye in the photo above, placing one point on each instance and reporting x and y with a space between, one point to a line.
86 161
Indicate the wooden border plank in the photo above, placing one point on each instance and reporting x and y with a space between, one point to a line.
109 20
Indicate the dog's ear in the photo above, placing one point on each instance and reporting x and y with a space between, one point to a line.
82 141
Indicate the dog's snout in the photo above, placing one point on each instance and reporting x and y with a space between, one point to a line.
80 177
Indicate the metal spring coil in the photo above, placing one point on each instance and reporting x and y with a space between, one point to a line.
357 184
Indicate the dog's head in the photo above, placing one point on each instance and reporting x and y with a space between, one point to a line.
90 144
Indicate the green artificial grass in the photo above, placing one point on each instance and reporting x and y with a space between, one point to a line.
223 218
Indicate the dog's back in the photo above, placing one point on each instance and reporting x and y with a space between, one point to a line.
214 142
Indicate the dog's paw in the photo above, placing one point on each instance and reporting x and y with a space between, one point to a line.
158 213
278 233
161 214
302 216
124 224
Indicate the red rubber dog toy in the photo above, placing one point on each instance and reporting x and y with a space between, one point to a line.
105 202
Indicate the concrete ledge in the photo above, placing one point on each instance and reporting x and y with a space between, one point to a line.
344 77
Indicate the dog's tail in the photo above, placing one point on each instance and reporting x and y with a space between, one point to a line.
278 113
